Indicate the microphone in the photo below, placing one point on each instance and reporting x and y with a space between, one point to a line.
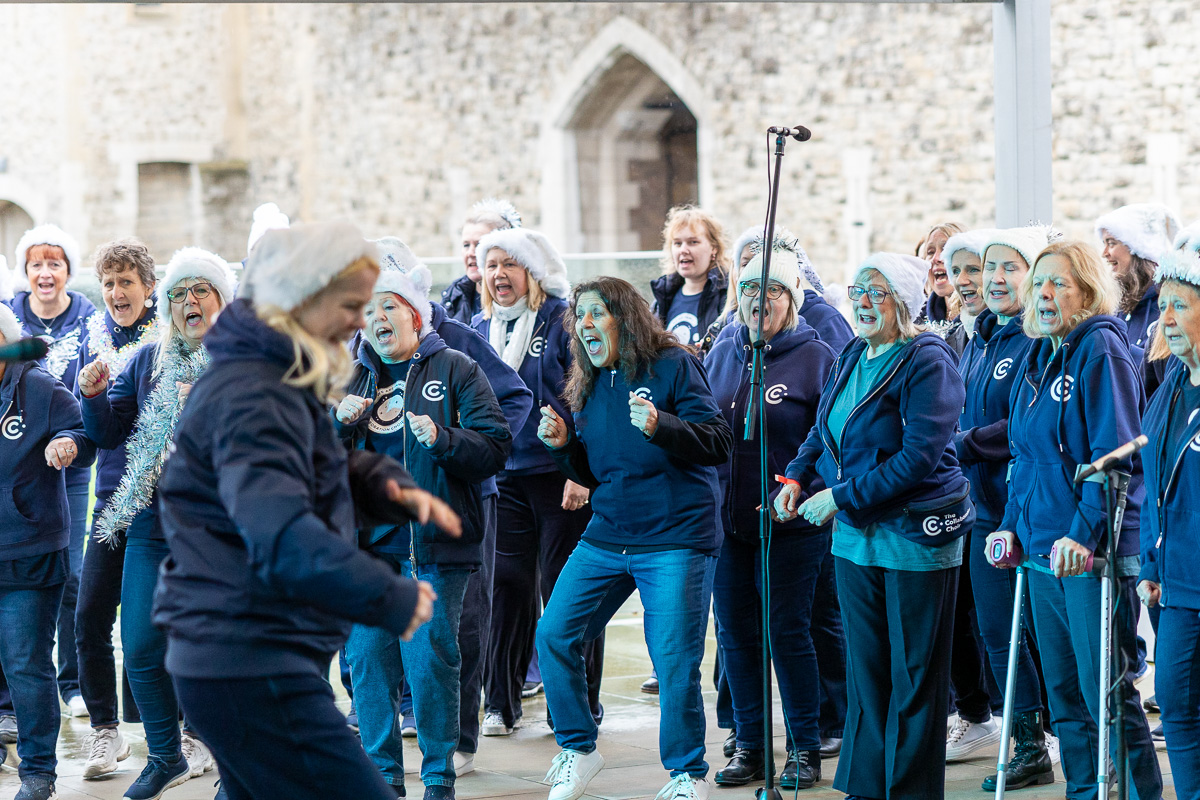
23 350
1102 463
799 133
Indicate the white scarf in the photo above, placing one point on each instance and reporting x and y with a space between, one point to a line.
512 352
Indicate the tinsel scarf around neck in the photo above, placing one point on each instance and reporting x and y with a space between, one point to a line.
146 449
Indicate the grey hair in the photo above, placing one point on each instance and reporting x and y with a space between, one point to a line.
904 321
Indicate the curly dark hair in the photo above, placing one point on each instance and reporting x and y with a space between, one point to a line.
641 342
1134 282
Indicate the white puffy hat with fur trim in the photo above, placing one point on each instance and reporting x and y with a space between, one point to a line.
10 326
534 252
290 265
194 262
971 241
1029 241
402 275
51 235
904 273
1147 229
1179 265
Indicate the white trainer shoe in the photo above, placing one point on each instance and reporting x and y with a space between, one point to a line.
966 738
78 707
463 763
199 757
685 787
571 772
105 747
493 725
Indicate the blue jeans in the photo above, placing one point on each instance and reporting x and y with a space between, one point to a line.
1066 616
994 591
430 664
676 590
795 565
145 649
1177 687
27 619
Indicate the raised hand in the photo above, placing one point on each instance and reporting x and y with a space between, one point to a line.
643 414
93 378
424 428
351 408
552 430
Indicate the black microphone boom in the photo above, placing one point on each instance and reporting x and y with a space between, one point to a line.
1106 461
799 133
23 350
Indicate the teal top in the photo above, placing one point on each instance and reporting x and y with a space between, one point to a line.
863 377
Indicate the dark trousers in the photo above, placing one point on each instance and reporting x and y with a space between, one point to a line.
280 737
899 626
145 650
534 538
1066 615
967 674
829 640
1177 686
473 635
795 565
95 616
27 618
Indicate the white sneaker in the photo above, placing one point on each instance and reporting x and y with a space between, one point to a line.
571 772
463 763
685 787
1052 748
199 757
966 738
78 707
493 725
105 747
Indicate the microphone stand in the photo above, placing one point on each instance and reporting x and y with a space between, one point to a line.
756 420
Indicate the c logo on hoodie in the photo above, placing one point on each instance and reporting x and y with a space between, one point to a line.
1002 368
1061 389
14 427
536 345
434 391
776 394
644 393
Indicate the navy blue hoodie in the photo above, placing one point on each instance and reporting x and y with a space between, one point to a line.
831 327
1070 407
471 445
991 363
1171 523
660 491
897 460
35 409
1144 314
796 365
265 577
544 371
461 300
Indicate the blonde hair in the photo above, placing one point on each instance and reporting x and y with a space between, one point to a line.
701 221
1100 290
953 301
321 366
535 292
1159 349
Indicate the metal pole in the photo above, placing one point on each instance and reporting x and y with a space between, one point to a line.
1010 684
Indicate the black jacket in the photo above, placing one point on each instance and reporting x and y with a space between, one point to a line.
461 300
712 299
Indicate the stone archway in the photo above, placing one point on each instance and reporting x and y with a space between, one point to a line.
14 221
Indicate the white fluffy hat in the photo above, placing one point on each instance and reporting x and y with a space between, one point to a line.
495 207
906 274
193 262
6 280
52 235
267 217
785 268
290 265
1029 241
784 241
971 241
10 328
534 252
403 275
1147 229
1179 265
1189 238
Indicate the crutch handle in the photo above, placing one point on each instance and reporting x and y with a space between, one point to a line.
1004 549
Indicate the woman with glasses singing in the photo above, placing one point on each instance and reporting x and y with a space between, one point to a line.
882 445
140 409
796 365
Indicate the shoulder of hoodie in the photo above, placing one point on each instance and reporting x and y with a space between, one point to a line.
36 378
1102 341
928 347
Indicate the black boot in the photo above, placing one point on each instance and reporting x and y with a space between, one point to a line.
1030 762
802 770
730 746
745 766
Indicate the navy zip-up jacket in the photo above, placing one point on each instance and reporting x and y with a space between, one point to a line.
35 408
472 443
516 401
1144 314
991 363
1070 407
1170 535
796 365
544 371
660 491
265 577
896 458
110 463
461 300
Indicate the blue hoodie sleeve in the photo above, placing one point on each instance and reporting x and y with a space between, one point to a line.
984 443
477 448
109 417
696 431
65 420
265 474
803 467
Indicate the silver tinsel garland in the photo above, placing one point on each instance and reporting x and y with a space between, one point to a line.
146 450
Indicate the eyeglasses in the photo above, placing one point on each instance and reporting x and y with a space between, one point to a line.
179 294
750 289
877 295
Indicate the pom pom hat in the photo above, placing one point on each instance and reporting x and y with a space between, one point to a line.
10 328
192 262
905 274
403 275
1029 241
1145 228
290 265
51 235
267 217
785 269
534 252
